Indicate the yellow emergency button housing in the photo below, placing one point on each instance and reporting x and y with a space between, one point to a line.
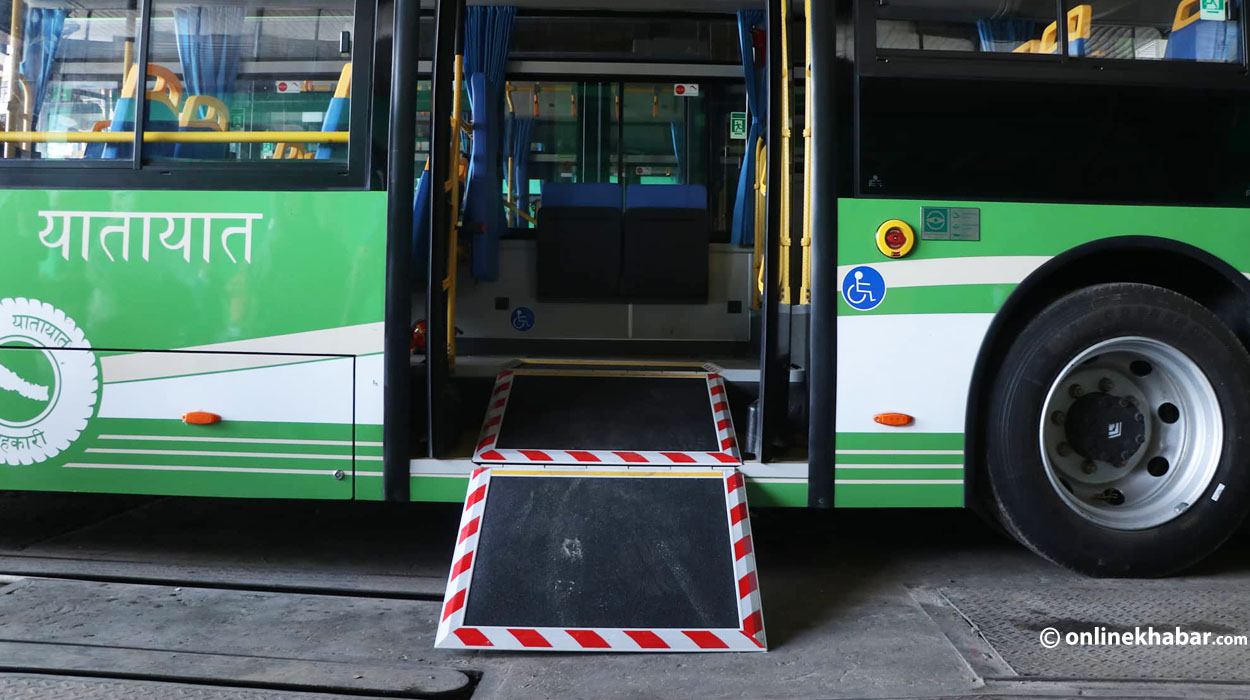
895 238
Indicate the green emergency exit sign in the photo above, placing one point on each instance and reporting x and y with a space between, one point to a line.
737 125
1213 9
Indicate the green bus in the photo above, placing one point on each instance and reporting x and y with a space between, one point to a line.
930 254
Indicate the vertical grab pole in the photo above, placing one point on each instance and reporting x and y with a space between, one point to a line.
453 186
447 24
772 400
822 366
10 77
401 182
786 162
805 282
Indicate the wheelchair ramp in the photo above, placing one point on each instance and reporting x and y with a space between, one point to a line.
636 415
553 558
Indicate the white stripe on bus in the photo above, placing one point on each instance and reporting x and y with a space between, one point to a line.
203 453
898 466
914 482
990 269
901 453
251 441
176 468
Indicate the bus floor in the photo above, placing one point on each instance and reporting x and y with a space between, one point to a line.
474 376
266 598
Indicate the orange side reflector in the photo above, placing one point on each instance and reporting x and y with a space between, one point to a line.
200 418
897 420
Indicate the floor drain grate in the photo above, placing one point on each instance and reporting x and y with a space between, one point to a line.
1013 620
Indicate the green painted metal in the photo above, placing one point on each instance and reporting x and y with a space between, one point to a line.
161 270
317 262
1015 228
899 496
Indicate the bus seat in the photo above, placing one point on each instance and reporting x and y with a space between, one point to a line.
667 234
337 116
1080 21
1030 46
579 241
1202 40
160 109
215 116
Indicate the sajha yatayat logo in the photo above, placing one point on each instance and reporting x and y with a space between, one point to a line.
46 397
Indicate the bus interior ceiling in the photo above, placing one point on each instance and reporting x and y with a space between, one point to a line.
618 240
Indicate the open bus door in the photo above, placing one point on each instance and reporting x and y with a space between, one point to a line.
585 436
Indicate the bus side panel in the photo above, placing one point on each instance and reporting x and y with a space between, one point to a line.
913 349
123 312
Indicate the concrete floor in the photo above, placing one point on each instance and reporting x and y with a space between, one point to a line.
343 597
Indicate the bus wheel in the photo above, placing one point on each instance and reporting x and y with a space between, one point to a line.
1116 434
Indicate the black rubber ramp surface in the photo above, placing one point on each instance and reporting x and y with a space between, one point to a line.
609 412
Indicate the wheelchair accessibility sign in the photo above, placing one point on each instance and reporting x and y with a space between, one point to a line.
863 288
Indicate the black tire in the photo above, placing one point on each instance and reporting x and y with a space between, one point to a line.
1026 502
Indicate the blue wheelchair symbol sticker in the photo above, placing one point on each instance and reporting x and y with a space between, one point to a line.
863 288
522 318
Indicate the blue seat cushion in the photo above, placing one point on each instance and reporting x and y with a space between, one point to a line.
582 194
666 197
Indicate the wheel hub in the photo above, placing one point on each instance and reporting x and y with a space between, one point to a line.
1105 428
1131 433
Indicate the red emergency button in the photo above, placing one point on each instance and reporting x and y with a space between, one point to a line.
895 238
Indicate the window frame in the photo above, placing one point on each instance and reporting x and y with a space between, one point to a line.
135 173
872 61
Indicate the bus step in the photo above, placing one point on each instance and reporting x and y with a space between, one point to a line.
603 558
632 415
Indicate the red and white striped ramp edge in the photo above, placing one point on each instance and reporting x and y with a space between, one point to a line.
748 636
486 453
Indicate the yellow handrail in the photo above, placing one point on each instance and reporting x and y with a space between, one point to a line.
175 136
761 218
783 262
453 243
512 206
805 285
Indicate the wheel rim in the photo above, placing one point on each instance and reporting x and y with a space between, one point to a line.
1131 433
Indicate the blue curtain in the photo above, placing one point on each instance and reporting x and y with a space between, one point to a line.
41 30
742 231
1004 35
421 230
519 130
678 130
209 40
487 41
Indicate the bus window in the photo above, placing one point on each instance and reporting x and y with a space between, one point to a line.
250 68
63 73
966 25
1164 30
655 146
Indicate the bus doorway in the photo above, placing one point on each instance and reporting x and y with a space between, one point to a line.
598 285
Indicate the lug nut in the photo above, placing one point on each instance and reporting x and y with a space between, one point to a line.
1064 449
1089 467
1075 391
1057 417
1112 497
1139 418
1140 439
1105 385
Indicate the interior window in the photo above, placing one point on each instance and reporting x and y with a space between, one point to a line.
1021 26
1180 30
66 67
250 81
